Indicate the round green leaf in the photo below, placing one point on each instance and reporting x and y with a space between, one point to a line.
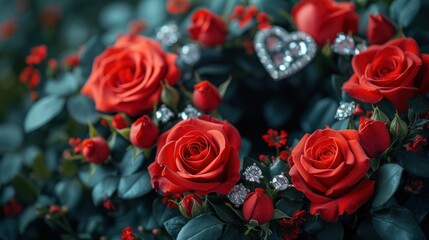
387 182
135 185
278 168
174 225
130 162
69 192
104 189
42 112
331 231
6 194
25 190
397 223
28 216
91 177
65 85
10 165
11 137
81 109
417 164
201 228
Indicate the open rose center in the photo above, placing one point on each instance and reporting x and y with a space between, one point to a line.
126 75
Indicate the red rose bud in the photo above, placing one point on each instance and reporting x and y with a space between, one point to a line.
258 206
379 29
143 133
374 136
207 28
37 55
191 206
120 121
206 96
95 150
54 209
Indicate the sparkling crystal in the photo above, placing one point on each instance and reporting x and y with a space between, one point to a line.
253 173
280 182
343 45
297 49
360 48
190 53
189 112
274 44
345 110
164 114
168 34
238 194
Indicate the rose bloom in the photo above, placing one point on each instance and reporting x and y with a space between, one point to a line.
379 29
329 167
395 70
323 19
374 136
207 28
197 155
127 76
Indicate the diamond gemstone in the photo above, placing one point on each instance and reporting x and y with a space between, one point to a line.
345 110
343 44
190 53
164 114
238 194
253 173
280 182
189 112
360 48
168 34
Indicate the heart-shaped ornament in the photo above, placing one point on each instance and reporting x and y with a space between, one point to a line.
283 53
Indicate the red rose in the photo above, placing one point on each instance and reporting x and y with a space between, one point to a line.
143 132
191 206
127 76
379 29
95 150
206 96
119 121
258 206
207 28
197 155
395 70
329 167
323 19
374 136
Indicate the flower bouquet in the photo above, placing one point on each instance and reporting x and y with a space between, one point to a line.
186 119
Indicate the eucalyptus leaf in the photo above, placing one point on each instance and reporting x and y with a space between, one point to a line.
130 162
278 168
25 190
135 185
396 223
387 182
10 165
415 163
404 11
174 225
43 111
104 189
91 49
64 86
6 194
82 109
27 216
11 137
200 228
331 231
69 192
8 229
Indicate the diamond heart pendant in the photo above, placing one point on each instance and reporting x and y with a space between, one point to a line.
283 53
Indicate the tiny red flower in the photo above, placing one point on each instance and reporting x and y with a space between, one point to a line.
284 155
237 13
290 228
417 145
71 61
103 122
30 76
12 208
263 157
37 55
127 234
52 63
274 139
248 16
178 6
7 28
263 21
54 209
96 150
108 204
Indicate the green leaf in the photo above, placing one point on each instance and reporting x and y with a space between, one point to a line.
42 112
69 192
386 183
331 231
419 104
91 178
278 168
366 230
319 115
82 109
10 165
40 168
11 137
337 82
231 233
200 228
288 207
404 11
135 185
104 189
396 223
25 189
130 162
6 194
174 225
341 124
8 229
387 108
65 85
161 212
415 163
277 112
279 214
27 216
223 212
91 49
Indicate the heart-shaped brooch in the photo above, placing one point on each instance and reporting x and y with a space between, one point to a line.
283 53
